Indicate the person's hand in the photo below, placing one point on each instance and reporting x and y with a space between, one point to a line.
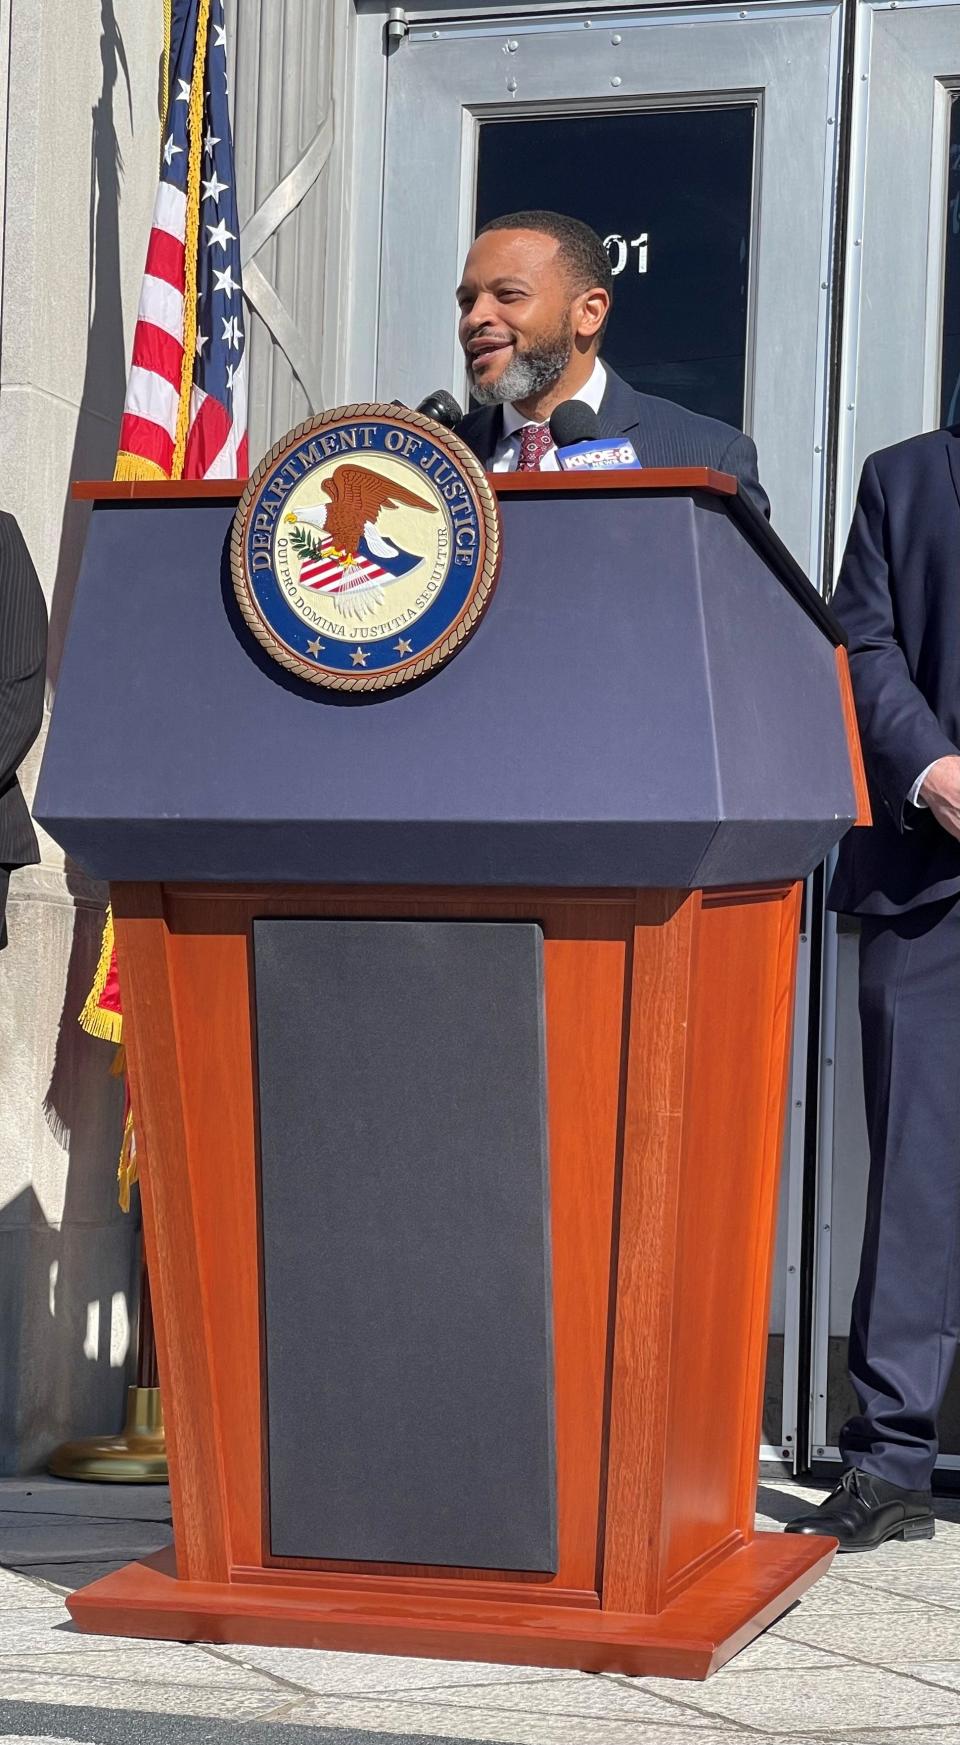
941 792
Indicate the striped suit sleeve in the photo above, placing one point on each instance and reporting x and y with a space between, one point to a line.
740 458
23 650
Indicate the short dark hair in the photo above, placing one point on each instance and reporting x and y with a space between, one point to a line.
579 247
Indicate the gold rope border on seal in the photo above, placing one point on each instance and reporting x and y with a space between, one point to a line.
487 572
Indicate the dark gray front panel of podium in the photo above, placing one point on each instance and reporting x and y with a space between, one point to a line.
406 1245
643 704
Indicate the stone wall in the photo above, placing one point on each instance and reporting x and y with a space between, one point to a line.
79 93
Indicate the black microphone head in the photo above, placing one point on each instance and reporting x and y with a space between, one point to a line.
442 408
573 421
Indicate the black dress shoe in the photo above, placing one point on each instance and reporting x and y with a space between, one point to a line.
864 1511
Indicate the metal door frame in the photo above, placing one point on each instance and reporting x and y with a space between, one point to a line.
371 54
887 390
860 410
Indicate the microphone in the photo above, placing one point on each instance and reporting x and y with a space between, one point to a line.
573 421
580 447
442 408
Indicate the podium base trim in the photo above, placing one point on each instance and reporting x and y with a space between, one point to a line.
705 1626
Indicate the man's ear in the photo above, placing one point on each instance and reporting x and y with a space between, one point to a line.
590 312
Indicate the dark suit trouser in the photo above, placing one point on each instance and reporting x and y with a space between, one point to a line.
906 1310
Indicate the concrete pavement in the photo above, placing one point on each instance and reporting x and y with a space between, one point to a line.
870 1657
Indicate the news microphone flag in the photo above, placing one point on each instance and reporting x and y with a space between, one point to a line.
575 429
601 455
185 412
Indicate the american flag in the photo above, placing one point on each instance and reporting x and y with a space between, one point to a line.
185 414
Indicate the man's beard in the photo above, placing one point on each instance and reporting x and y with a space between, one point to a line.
527 373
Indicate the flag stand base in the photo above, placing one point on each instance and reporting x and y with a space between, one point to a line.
137 1456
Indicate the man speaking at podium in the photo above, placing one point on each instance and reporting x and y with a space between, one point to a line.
534 302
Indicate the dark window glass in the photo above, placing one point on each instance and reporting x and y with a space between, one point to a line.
950 361
671 189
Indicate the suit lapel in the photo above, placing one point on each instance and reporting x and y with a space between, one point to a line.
953 456
488 430
618 414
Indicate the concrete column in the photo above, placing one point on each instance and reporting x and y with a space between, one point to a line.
78 169
78 99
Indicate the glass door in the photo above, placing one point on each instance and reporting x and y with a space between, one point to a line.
671 191
700 143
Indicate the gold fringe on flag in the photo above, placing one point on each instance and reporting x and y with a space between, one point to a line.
135 466
194 168
108 1026
128 1169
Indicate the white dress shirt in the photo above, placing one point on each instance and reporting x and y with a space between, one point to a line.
507 452
914 794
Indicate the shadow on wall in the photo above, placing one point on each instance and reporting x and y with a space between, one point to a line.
104 384
56 1375
68 1256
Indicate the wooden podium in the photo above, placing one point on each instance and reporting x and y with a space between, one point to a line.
458 1035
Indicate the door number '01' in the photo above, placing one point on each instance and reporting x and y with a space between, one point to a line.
618 248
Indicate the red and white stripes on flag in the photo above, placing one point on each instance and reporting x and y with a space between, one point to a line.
149 426
216 443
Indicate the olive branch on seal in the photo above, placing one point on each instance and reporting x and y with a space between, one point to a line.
304 544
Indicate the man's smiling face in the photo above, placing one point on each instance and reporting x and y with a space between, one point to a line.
517 314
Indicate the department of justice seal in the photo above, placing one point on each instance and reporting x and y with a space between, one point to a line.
365 548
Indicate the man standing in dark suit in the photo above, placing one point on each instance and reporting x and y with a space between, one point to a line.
898 598
534 300
23 650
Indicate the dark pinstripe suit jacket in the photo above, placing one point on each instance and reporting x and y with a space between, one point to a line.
23 651
663 434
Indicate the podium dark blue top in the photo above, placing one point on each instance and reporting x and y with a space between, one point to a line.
648 701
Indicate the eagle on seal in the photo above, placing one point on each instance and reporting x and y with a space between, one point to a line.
355 562
357 496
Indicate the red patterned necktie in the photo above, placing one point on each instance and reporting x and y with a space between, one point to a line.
535 442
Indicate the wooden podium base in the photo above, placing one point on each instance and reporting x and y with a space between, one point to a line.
666 1021
691 1638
